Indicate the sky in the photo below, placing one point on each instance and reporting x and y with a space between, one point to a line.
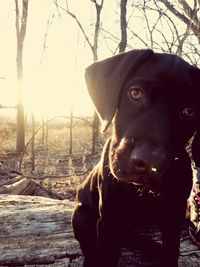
53 78
7 54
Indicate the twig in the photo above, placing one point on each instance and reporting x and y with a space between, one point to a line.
76 19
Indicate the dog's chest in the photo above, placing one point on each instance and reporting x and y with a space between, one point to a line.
134 206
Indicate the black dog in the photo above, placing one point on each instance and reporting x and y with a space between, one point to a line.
144 175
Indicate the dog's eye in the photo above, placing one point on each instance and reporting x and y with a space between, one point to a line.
188 112
136 93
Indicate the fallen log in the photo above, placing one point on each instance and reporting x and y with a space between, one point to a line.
36 232
21 185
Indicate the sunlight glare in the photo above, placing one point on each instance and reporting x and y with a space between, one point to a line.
54 77
50 95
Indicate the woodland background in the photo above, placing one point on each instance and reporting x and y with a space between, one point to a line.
49 132
87 30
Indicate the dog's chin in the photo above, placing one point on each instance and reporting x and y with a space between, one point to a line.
142 181
132 178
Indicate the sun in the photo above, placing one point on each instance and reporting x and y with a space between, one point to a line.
53 78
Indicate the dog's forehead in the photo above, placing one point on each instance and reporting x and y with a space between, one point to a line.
165 66
174 78
168 70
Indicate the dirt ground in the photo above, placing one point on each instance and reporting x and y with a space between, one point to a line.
56 170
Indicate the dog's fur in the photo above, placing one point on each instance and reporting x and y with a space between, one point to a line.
144 175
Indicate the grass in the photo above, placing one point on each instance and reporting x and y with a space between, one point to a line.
59 170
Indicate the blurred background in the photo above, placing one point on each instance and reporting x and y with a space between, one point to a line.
48 127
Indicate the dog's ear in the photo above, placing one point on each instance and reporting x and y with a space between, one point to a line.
196 139
105 80
196 148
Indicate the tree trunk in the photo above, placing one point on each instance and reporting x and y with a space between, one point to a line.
70 132
94 48
95 132
20 32
123 25
20 143
46 135
33 143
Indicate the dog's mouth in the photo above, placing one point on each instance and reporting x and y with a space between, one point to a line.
144 183
140 179
148 180
139 165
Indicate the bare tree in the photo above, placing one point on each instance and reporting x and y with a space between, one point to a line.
33 143
94 48
70 132
98 8
20 23
160 30
188 15
123 26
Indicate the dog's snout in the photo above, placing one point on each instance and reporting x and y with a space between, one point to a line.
147 161
146 167
140 165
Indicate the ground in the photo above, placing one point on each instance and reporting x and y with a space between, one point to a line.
68 171
55 167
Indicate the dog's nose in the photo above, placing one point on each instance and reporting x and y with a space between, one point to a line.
144 167
139 165
147 161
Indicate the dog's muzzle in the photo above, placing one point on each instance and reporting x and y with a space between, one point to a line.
148 162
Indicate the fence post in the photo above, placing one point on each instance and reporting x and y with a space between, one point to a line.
70 132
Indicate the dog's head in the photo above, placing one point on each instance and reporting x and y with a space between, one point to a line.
153 101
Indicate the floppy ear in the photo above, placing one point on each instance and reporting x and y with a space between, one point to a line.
105 81
196 148
196 140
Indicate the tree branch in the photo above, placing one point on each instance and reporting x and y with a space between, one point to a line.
97 26
136 35
24 18
17 18
123 26
195 27
191 13
49 23
76 19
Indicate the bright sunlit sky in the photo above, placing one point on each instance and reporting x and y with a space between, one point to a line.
54 77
